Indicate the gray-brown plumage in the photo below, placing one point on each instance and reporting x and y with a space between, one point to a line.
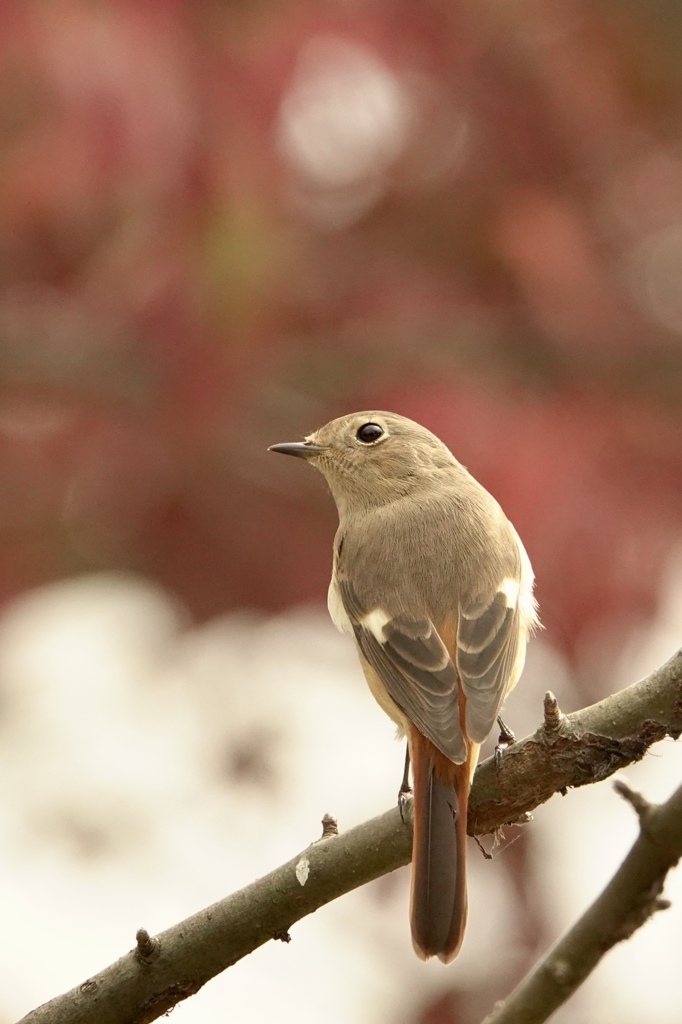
433 582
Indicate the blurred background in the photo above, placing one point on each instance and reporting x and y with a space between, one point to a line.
221 225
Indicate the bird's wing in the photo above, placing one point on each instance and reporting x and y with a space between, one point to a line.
488 653
412 662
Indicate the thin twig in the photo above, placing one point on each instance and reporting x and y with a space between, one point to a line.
629 899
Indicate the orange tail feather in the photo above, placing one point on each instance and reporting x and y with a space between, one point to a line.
438 906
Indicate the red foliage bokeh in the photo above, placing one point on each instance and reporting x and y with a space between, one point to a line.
223 224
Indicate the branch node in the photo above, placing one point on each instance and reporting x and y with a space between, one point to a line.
146 946
282 936
635 799
553 715
661 904
330 827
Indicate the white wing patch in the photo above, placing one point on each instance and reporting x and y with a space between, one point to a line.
510 589
375 623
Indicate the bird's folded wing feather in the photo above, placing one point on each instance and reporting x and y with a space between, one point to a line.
413 664
487 657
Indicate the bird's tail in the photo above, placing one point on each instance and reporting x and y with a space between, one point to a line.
438 906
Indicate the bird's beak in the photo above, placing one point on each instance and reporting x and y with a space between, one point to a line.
301 449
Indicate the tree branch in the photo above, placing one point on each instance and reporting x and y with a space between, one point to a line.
149 980
630 898
566 751
574 750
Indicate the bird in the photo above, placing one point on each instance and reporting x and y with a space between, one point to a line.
432 581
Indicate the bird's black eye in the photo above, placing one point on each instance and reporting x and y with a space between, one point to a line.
369 432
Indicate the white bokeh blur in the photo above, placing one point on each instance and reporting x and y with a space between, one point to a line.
149 768
349 125
342 123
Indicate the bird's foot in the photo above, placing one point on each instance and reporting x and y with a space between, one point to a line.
404 802
505 739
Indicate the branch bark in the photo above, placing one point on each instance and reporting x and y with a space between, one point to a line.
574 750
630 898
566 751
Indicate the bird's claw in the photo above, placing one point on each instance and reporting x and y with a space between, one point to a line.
404 800
505 739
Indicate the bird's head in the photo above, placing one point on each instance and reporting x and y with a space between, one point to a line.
372 458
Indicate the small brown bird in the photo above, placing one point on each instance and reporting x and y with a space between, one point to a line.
434 583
